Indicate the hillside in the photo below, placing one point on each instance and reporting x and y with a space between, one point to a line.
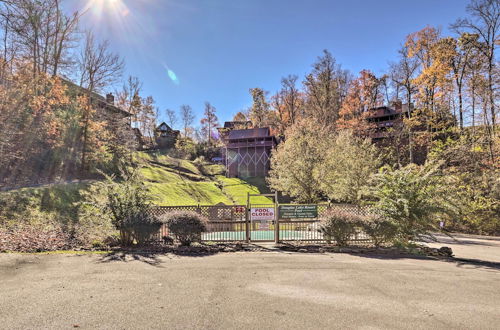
172 182
181 182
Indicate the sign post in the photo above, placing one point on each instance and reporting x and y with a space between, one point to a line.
276 220
263 216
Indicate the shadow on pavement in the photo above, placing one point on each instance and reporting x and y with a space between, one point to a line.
153 258
475 263
127 256
460 262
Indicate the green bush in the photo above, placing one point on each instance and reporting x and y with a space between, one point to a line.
414 198
186 227
142 227
379 229
124 203
339 226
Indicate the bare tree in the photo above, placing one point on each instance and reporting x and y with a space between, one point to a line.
40 32
129 98
187 118
171 117
485 22
98 66
292 98
98 69
209 121
403 74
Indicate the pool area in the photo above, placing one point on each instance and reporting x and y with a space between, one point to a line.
261 235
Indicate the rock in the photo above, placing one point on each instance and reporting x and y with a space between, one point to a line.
446 251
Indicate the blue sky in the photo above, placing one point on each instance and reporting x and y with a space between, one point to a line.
219 49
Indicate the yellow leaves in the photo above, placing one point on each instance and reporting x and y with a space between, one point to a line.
54 96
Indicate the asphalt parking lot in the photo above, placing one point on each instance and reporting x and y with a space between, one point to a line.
253 290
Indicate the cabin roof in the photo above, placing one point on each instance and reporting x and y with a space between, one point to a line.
234 123
251 133
97 97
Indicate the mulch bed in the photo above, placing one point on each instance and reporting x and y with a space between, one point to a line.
444 251
30 239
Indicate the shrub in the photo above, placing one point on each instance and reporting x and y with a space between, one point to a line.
414 198
142 227
379 229
339 226
185 226
124 202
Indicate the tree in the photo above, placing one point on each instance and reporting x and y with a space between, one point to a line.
433 78
485 22
171 117
296 162
187 118
146 117
129 98
98 68
240 116
209 121
413 198
403 74
39 33
363 95
288 103
455 54
259 112
325 89
349 163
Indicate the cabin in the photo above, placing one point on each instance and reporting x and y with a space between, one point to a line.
232 125
247 152
385 118
165 136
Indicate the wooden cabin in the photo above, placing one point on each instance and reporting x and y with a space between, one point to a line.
165 136
247 152
385 118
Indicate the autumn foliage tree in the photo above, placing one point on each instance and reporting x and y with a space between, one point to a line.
363 95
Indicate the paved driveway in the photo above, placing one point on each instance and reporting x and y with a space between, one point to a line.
269 290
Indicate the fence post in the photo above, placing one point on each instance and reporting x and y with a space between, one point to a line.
247 219
276 219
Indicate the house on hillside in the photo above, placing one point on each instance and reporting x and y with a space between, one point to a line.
232 125
247 152
165 136
105 103
385 118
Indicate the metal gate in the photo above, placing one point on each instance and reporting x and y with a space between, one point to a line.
262 220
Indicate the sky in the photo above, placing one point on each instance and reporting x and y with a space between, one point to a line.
189 52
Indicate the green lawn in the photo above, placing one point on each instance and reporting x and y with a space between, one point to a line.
182 182
172 182
238 190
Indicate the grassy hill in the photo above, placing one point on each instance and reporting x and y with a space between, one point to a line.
171 181
181 182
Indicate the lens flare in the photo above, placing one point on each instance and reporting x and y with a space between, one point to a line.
131 24
171 74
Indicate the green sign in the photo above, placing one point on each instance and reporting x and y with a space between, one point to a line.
298 211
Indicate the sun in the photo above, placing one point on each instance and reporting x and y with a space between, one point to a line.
100 8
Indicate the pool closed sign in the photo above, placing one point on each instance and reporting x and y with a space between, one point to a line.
298 211
262 213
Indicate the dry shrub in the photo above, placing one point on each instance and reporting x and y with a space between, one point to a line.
187 227
339 226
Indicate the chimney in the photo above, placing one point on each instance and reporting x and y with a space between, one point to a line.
110 98
397 105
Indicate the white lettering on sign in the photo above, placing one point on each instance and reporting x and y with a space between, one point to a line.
262 213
